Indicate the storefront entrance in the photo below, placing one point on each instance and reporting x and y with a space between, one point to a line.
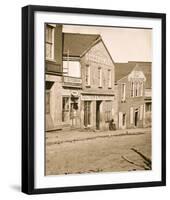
136 118
98 114
74 115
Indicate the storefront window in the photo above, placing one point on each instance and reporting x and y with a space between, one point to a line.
108 110
87 113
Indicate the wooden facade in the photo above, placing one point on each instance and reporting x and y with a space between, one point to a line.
81 93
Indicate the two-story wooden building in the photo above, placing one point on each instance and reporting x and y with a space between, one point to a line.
131 81
79 80
98 96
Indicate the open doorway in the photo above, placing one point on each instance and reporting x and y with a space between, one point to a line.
98 115
136 118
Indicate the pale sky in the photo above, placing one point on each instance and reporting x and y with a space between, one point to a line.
124 44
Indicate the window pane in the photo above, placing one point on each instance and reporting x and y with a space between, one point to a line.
87 75
49 41
109 79
49 31
65 103
141 89
132 89
48 50
123 91
100 77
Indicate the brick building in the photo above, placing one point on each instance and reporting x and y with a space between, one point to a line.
79 81
133 94
146 68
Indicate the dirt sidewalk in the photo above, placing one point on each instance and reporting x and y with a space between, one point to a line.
58 137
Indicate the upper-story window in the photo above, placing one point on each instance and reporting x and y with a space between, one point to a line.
132 89
109 78
141 89
136 89
87 75
49 42
123 92
100 76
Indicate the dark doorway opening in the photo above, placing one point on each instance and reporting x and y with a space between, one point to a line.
98 114
136 118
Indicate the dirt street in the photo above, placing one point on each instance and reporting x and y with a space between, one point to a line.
97 154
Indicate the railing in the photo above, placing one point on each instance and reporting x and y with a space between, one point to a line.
69 81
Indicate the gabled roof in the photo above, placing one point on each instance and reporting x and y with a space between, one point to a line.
124 69
146 67
76 43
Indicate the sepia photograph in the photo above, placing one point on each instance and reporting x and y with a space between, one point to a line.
93 99
98 99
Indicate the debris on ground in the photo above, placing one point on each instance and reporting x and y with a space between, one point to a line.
147 163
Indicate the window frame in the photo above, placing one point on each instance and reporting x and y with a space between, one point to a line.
109 78
132 87
123 92
100 77
87 75
52 42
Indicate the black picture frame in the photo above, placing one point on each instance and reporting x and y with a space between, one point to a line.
28 95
